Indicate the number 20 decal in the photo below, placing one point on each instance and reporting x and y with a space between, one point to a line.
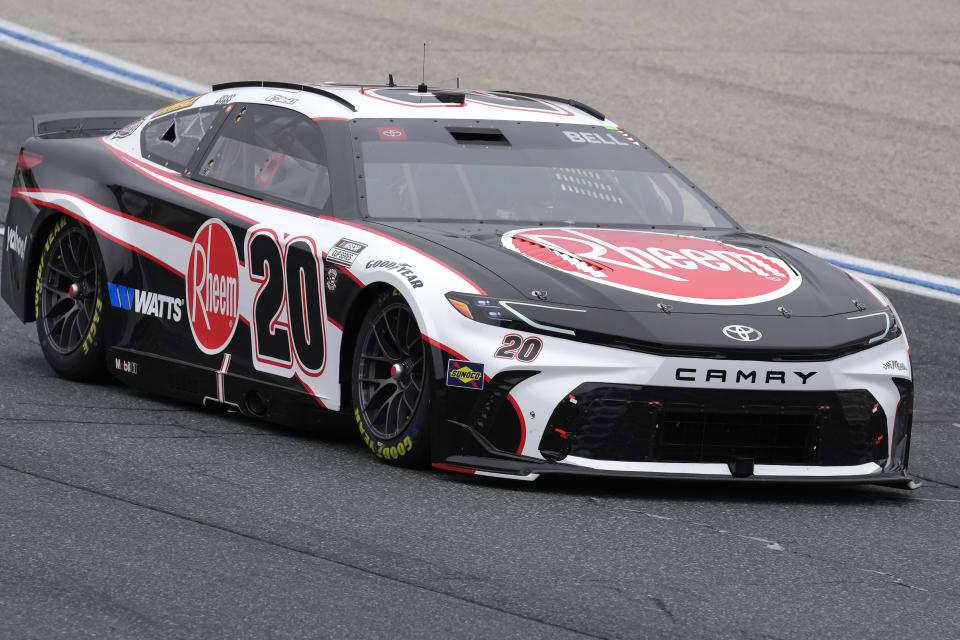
514 346
288 305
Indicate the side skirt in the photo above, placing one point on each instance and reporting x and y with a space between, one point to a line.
218 389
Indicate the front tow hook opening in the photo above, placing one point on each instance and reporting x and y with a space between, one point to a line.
740 467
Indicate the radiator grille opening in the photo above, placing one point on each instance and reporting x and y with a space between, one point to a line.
707 436
669 424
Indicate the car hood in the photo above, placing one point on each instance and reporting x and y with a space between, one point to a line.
714 272
672 291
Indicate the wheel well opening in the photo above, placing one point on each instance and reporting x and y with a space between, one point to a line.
48 218
351 329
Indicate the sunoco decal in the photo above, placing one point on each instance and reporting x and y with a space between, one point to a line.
668 266
465 374
212 287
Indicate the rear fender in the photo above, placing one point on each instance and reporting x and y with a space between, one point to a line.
28 228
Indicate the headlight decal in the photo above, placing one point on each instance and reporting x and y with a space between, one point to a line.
890 331
506 314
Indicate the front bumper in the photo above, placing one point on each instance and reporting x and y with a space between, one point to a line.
488 461
579 408
610 413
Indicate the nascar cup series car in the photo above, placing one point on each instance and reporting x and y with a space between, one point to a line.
497 283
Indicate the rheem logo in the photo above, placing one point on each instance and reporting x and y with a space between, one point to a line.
676 267
213 296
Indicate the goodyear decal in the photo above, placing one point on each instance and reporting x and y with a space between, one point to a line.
465 374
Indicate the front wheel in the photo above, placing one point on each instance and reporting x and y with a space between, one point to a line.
69 301
391 383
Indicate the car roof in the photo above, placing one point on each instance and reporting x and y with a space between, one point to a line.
329 101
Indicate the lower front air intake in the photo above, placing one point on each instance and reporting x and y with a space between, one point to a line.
665 424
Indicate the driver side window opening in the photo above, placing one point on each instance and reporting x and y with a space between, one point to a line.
172 140
272 152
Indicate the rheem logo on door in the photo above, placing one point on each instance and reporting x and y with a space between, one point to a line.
213 296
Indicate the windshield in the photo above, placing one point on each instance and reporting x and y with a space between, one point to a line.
529 172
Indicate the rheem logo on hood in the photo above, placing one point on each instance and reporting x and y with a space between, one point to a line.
213 295
675 267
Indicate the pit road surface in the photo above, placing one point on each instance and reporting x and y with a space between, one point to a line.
127 516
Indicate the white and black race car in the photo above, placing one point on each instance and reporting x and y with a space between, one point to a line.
497 283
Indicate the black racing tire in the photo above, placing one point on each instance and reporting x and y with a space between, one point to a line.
70 302
391 383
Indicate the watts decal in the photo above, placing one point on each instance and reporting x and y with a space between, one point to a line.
675 267
146 302
465 374
212 287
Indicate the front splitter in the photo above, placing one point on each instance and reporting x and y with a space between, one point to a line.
529 469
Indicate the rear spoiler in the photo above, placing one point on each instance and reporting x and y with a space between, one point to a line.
78 124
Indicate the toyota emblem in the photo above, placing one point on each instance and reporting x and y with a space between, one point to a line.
742 333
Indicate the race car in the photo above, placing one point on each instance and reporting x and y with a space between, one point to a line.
489 282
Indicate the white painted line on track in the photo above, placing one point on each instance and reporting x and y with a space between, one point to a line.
150 80
55 50
891 276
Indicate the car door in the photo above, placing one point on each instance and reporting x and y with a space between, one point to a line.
265 309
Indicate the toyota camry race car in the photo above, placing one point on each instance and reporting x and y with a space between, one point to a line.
497 283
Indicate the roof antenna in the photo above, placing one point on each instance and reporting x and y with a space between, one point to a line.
422 87
390 82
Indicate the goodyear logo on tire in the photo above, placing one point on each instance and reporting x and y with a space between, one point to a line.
465 374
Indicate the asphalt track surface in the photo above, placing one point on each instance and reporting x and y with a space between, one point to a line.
123 515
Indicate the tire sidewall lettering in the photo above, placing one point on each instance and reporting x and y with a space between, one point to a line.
403 446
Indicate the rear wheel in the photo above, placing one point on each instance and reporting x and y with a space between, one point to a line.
70 299
391 383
